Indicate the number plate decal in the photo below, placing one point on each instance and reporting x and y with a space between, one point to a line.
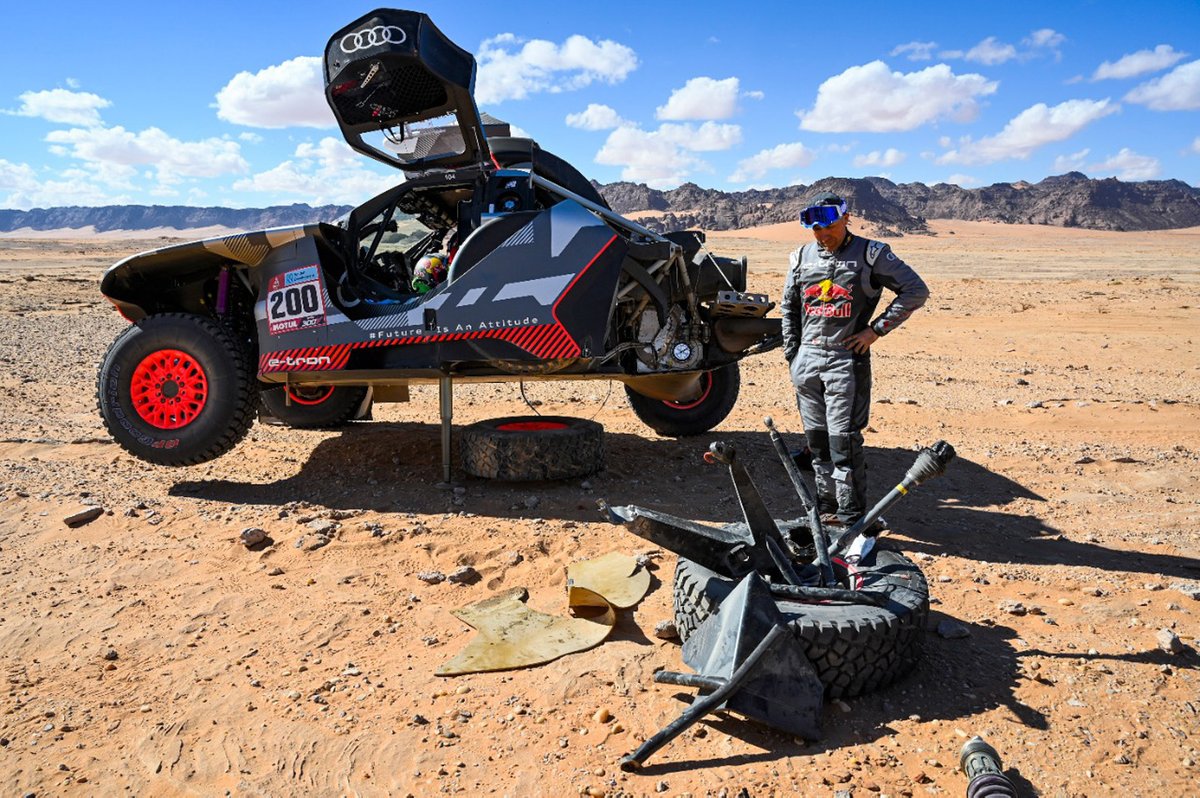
295 301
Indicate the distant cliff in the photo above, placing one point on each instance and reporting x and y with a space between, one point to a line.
1070 200
180 217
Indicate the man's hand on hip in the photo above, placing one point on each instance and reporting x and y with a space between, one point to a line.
861 341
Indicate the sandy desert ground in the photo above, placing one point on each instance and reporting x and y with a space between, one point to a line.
149 652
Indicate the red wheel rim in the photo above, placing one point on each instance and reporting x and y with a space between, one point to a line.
309 396
168 389
530 426
707 381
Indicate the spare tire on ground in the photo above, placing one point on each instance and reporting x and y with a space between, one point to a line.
532 448
855 648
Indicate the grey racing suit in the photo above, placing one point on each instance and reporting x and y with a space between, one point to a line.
827 298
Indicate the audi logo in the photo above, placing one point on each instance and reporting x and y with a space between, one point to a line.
372 37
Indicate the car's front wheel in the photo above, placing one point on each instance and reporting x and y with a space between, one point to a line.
176 389
719 392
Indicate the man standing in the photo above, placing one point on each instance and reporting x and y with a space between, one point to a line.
832 289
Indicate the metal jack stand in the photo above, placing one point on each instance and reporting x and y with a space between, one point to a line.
446 405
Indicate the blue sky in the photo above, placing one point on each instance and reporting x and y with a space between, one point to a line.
220 103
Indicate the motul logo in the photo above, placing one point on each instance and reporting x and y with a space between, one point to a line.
293 362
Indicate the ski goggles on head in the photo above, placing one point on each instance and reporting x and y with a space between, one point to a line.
822 215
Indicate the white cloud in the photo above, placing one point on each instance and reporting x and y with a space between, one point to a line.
1047 38
250 138
328 172
663 158
708 137
21 188
963 181
1196 145
291 94
62 106
1139 63
991 52
872 98
595 117
1128 165
1032 128
647 157
508 73
701 98
754 95
781 156
916 51
115 153
889 157
1071 163
1178 90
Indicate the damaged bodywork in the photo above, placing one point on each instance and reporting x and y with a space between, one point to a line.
775 615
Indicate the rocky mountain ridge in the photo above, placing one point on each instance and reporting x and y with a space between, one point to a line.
1070 200
108 218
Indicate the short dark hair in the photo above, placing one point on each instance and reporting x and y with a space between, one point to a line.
826 198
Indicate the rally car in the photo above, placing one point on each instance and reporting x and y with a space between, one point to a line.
492 260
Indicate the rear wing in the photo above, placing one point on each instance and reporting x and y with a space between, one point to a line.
401 92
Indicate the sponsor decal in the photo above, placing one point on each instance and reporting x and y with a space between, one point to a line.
295 301
828 300
372 37
490 324
310 362
300 275
827 291
828 311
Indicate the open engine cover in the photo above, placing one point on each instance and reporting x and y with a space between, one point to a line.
393 77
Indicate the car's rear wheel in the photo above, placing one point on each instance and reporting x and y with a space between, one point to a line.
313 406
176 389
720 389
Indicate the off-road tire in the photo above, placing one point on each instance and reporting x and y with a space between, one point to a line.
322 407
681 419
531 448
190 350
855 648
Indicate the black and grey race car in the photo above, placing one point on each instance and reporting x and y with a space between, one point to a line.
493 260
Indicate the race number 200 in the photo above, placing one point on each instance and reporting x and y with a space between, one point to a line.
295 301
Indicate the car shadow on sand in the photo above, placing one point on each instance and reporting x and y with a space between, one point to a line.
391 467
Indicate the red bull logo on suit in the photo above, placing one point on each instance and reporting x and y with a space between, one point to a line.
828 299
